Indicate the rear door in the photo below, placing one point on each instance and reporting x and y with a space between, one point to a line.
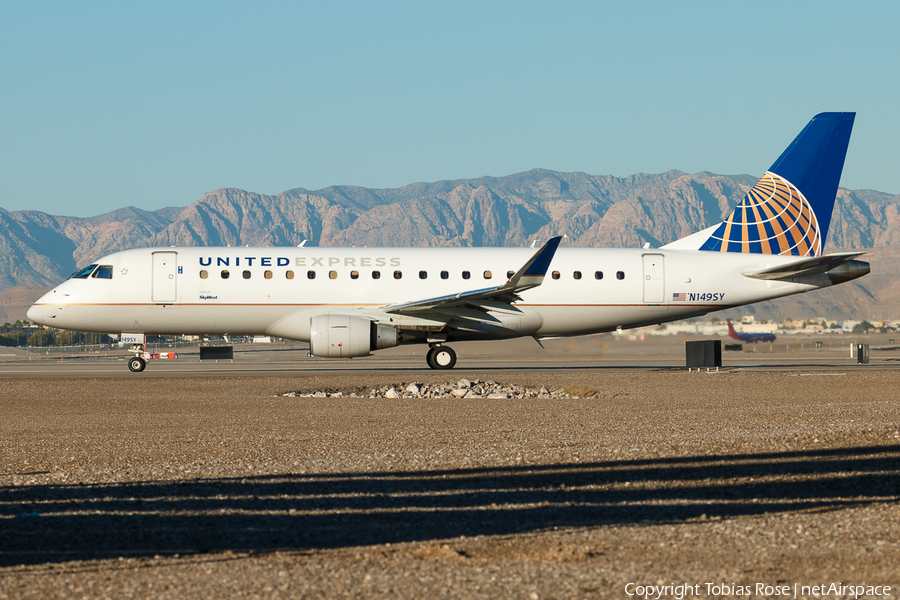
654 279
165 280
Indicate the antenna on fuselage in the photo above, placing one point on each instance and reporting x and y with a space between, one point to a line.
300 245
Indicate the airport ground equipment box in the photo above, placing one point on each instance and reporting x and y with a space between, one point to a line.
705 353
217 353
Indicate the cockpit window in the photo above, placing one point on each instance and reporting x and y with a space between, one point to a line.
83 273
103 272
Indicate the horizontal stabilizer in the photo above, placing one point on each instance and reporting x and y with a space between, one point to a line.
805 267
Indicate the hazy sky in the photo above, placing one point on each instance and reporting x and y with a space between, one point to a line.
110 104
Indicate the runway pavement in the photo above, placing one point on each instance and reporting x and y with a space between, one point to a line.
597 353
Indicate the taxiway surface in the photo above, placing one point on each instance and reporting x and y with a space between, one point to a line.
513 357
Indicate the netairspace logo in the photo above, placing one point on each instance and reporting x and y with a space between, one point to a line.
717 590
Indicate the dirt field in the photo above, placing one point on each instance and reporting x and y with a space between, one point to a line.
209 487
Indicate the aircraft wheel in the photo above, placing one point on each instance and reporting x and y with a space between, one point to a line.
441 358
137 364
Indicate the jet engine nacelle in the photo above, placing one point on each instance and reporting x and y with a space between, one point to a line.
344 336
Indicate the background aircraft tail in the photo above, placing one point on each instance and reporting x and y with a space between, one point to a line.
789 209
731 330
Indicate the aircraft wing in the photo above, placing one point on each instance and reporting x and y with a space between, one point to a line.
804 267
474 304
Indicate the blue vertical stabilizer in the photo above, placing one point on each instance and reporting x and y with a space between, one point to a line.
789 209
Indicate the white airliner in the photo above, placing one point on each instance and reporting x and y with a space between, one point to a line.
348 302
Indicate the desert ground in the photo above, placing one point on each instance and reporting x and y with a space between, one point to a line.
772 472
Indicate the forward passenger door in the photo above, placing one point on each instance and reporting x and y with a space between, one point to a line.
165 277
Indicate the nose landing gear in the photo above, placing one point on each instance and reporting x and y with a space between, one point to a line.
441 357
138 362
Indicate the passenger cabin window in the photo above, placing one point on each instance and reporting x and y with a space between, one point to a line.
289 274
268 274
620 275
509 274
398 275
376 274
246 274
423 274
332 274
83 273
465 275
577 274
488 275
354 274
225 274
598 274
310 274
103 272
445 275
555 274
203 274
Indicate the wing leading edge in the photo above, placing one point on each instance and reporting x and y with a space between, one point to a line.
475 304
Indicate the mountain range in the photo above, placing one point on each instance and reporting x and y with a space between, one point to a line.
38 250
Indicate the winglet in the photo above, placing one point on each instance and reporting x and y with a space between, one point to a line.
534 270
529 276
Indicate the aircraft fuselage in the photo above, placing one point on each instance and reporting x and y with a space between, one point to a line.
275 291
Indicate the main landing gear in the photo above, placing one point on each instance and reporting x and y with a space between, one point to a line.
136 364
441 357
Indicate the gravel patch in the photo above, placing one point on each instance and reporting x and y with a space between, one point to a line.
462 388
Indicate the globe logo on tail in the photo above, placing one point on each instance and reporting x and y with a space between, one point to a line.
773 218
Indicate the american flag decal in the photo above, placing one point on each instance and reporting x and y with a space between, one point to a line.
679 297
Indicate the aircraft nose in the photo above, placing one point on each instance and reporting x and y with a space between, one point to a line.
35 314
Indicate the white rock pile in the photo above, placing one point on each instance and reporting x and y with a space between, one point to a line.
460 389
